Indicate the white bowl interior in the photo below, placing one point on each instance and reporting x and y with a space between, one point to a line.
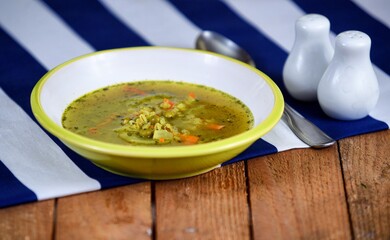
82 75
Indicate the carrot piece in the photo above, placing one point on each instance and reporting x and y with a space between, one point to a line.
169 102
106 121
133 90
192 95
189 139
161 140
109 119
215 126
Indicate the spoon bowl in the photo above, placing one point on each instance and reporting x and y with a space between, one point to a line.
214 42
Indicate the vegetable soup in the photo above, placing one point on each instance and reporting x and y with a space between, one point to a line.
157 113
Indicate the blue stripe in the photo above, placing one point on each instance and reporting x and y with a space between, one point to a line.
216 16
18 71
345 15
18 83
95 24
12 191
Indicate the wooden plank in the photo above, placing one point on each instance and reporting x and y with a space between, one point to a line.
118 213
28 221
298 194
366 164
209 206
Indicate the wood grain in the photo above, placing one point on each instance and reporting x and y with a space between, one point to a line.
298 194
33 221
118 213
366 164
209 206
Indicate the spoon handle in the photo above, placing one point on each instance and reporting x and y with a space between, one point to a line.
306 130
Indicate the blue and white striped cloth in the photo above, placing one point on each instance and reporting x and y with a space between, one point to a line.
35 36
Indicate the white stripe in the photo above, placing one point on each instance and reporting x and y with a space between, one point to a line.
41 32
280 29
34 158
378 9
156 21
273 18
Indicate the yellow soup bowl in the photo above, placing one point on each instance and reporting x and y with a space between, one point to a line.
84 74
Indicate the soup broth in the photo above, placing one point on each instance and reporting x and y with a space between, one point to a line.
157 113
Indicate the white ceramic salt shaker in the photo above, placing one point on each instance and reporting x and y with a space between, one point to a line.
309 57
349 87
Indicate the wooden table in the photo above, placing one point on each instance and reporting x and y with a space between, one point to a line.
342 192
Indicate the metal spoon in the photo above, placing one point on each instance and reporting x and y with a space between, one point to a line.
302 128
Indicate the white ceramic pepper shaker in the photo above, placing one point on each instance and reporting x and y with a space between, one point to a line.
309 57
349 87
